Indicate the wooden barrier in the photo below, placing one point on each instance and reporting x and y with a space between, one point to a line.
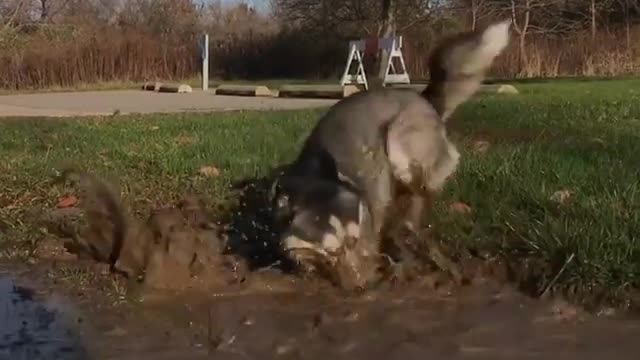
244 90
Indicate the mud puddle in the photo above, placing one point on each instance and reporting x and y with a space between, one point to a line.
272 316
478 322
33 328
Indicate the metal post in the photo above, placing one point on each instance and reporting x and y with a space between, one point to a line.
205 62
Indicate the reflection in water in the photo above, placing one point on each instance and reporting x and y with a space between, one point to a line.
33 330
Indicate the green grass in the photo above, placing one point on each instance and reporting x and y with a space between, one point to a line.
583 137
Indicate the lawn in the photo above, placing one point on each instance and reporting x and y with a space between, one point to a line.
558 184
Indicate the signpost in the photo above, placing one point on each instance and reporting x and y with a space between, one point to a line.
204 50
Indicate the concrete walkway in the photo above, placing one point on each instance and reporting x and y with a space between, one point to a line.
137 101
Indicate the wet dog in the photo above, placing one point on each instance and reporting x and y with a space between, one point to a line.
374 146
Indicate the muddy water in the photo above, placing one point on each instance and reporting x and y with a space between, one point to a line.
474 323
33 329
270 320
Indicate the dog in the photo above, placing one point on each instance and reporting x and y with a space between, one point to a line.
376 147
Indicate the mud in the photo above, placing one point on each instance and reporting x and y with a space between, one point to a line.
277 316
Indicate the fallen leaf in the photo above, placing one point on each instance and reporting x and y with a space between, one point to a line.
67 202
480 146
459 208
185 140
209 171
561 196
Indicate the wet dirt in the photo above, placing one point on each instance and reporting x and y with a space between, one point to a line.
273 316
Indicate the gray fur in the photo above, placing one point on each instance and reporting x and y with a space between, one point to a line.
384 140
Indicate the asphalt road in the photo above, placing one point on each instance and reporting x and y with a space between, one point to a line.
63 104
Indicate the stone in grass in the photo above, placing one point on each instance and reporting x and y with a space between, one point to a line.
561 196
209 171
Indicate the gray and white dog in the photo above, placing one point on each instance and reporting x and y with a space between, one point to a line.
373 147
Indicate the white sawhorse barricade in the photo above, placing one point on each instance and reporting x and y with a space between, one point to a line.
357 50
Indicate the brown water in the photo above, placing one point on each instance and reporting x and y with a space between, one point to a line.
475 323
271 316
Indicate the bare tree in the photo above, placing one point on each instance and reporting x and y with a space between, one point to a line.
477 10
387 29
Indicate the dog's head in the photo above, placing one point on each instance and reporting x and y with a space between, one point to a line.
318 222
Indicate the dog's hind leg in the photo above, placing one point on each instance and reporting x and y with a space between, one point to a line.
422 159
377 197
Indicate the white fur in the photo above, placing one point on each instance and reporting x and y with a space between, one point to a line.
345 178
494 40
496 37
293 242
336 224
361 210
331 243
445 168
400 162
353 229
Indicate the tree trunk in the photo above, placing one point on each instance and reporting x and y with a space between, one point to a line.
522 52
387 30
627 23
593 21
474 14
521 29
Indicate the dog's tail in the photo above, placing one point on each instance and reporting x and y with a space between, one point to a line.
106 216
459 63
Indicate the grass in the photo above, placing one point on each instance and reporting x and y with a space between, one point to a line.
572 137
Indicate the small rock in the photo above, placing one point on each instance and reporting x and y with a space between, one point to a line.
507 89
248 321
209 171
459 208
184 89
286 348
561 310
352 316
117 331
67 202
607 312
561 196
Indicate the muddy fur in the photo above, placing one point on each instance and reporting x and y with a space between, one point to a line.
174 248
319 229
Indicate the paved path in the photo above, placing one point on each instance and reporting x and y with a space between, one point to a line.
138 101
